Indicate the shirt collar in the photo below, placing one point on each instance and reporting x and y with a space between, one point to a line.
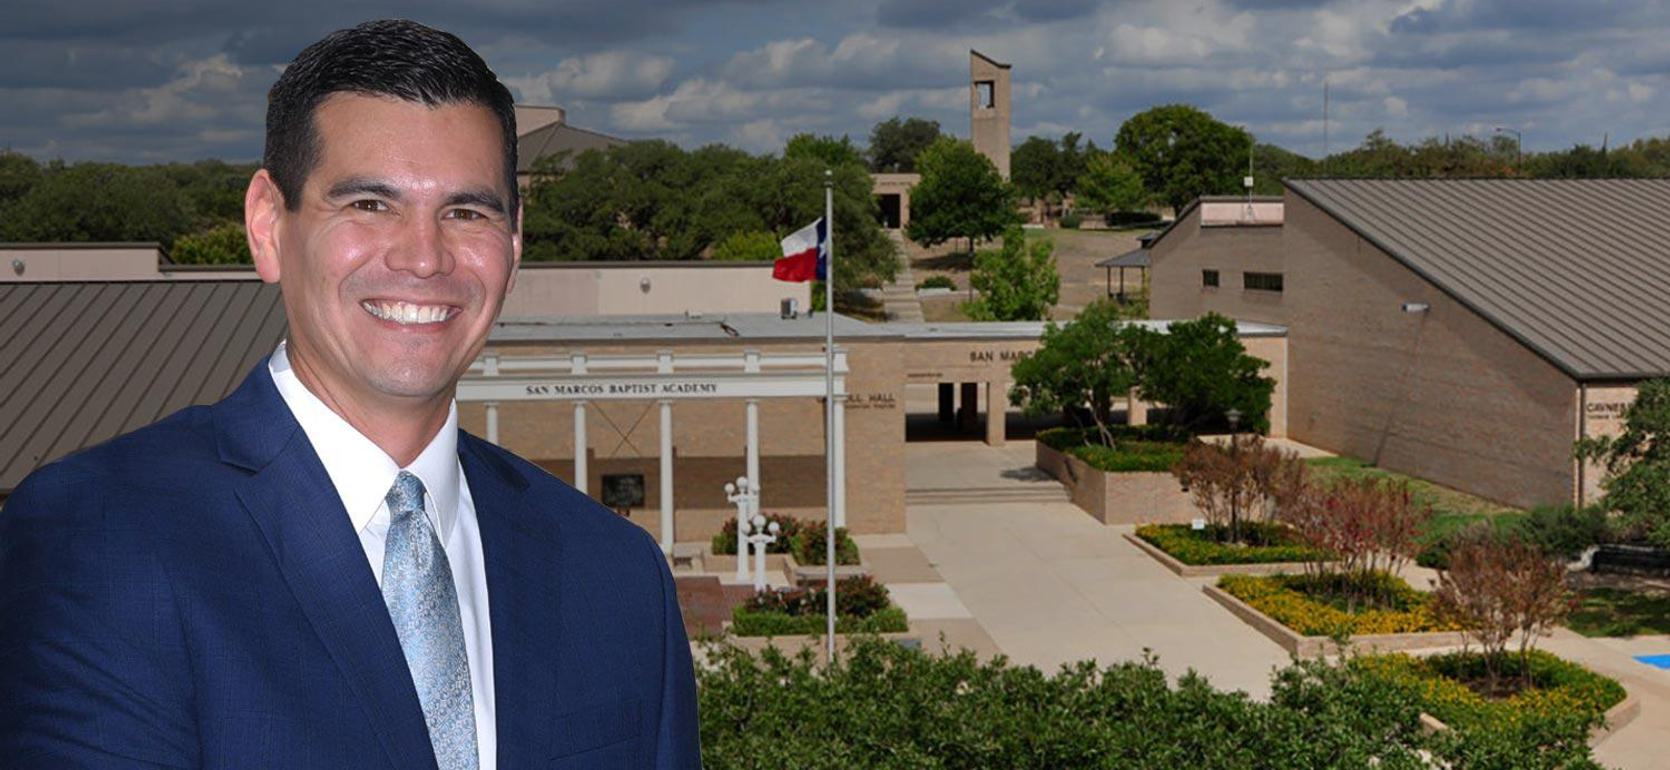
361 471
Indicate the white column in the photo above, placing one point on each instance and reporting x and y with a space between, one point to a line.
492 406
580 474
753 449
667 477
840 460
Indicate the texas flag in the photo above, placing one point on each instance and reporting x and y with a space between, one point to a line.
805 255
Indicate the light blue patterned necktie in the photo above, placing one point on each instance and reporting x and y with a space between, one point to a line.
423 602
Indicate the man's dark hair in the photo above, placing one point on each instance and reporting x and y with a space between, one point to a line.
390 57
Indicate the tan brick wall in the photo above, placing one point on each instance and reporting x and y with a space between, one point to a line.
709 440
1443 395
1175 290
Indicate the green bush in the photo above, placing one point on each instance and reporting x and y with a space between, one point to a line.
1071 220
803 538
1063 439
746 622
1565 531
886 707
1307 604
936 282
1131 456
1266 542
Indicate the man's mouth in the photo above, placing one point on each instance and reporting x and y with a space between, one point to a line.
407 313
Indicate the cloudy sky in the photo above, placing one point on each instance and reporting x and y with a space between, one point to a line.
142 81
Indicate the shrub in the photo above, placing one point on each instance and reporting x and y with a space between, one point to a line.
1637 463
1323 605
861 605
1565 531
1071 220
936 282
803 538
1126 456
811 546
1064 439
1499 588
1372 524
745 622
788 528
1264 543
1247 478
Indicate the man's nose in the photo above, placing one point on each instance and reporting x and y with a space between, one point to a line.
422 251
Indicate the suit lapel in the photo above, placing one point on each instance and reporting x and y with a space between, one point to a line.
292 500
519 548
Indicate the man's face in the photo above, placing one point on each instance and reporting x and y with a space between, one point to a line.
397 259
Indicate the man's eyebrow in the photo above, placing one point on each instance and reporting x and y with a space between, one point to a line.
486 199
359 185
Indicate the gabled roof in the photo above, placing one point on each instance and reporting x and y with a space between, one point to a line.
87 361
1132 258
556 138
1578 270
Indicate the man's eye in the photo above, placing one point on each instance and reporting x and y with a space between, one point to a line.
369 205
468 215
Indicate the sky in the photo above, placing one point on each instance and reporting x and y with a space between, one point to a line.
138 82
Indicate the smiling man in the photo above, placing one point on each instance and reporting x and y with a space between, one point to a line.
322 570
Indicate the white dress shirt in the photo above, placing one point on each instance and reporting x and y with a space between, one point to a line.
363 473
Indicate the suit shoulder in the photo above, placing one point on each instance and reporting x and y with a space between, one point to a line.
173 448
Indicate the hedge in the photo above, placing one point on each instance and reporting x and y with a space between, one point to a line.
886 707
745 622
1290 600
804 538
1136 449
1266 543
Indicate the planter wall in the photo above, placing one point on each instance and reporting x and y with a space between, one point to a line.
1201 570
1313 646
1118 498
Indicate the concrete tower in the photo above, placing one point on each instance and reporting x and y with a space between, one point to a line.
988 109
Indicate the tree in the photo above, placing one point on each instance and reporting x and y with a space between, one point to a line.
1017 282
1247 478
1637 463
99 202
961 195
1110 184
748 246
1366 527
831 151
1034 167
1086 363
1200 371
223 244
1183 153
19 174
895 143
1497 588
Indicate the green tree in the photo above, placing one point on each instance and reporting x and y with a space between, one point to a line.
1016 283
1183 153
99 202
223 244
895 143
1200 370
19 174
961 195
1637 462
831 151
748 246
1110 184
1034 167
1086 363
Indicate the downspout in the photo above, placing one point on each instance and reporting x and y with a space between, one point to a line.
1582 433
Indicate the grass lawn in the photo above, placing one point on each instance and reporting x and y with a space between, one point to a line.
1617 612
1456 508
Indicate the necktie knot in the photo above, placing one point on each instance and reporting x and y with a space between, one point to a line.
406 496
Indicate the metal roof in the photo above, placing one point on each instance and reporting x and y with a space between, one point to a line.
84 362
1132 258
1578 270
556 138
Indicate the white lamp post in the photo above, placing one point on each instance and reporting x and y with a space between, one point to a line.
745 496
764 535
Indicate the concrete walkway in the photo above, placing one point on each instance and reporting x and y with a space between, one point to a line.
1050 585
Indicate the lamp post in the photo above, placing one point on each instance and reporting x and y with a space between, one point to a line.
763 535
1234 416
1518 144
745 496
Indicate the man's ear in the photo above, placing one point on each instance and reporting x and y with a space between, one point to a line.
263 207
515 250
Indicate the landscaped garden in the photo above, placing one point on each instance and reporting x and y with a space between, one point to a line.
862 605
807 541
1261 543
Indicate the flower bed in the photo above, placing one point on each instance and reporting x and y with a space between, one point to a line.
806 540
1564 697
1265 543
861 606
1303 604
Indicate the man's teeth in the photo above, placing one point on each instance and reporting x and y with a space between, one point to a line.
406 312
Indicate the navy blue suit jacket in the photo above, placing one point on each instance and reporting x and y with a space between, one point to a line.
192 594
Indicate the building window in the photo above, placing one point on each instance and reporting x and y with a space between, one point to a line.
985 93
1261 281
1209 278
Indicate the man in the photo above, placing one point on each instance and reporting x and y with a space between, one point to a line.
322 571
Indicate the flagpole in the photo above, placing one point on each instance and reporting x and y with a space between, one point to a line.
829 397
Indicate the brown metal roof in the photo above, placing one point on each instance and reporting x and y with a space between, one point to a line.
83 362
557 138
1576 269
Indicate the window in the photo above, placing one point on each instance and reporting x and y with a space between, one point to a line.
1262 281
985 93
1209 278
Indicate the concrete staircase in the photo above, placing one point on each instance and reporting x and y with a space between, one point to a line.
1050 492
898 298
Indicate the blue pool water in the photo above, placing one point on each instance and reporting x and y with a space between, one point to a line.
1656 661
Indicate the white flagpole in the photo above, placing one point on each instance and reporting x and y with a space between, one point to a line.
829 396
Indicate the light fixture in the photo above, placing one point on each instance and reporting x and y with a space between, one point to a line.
1416 307
643 284
18 266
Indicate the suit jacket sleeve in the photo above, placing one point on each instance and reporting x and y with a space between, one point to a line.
677 742
93 666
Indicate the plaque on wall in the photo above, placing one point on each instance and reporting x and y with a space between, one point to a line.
623 490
